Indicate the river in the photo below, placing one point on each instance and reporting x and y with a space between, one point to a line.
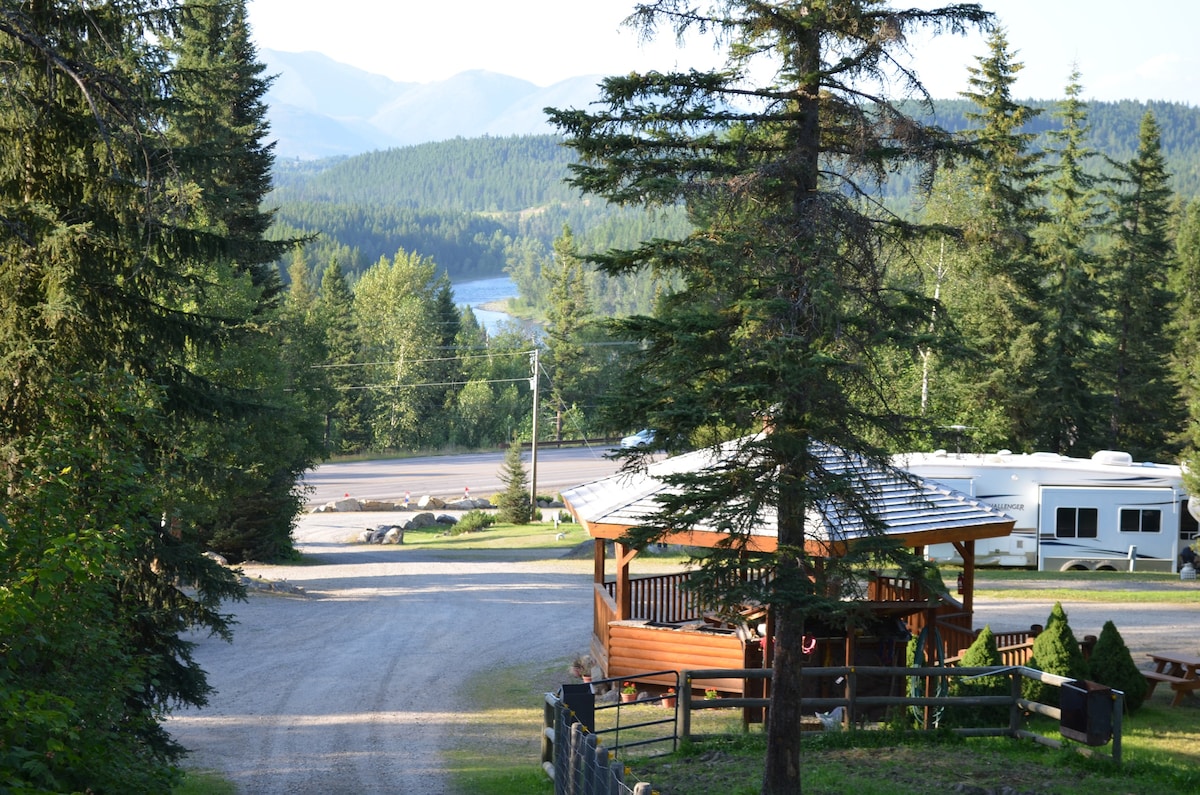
484 291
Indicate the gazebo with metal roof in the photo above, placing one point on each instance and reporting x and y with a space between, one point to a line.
913 512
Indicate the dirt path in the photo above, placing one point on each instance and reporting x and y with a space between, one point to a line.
353 687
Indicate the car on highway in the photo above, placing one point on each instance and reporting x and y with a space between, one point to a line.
643 439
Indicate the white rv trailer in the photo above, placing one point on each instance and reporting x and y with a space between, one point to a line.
1106 512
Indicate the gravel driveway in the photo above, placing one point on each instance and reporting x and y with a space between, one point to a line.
352 688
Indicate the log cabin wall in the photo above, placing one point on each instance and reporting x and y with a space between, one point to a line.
636 648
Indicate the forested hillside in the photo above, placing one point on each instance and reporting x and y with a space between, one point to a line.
465 202
461 202
1113 132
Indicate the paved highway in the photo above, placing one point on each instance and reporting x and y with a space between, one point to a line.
450 476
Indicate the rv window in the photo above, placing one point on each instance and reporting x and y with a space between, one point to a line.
1139 520
1076 522
1188 527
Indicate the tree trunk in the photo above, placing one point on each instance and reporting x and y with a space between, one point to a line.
781 775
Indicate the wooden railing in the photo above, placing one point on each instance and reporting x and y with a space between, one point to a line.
659 598
895 589
663 597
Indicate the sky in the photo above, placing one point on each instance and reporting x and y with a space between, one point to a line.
1124 50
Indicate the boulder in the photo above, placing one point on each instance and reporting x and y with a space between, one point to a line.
378 505
365 536
461 505
344 505
421 520
394 535
446 519
430 503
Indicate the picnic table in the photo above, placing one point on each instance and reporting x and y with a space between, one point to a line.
1181 671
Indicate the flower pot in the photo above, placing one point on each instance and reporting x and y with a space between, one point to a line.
586 679
628 697
669 702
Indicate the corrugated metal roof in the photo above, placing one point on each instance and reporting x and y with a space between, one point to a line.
905 504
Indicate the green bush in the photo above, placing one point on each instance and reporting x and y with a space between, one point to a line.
1055 651
474 521
1112 665
983 652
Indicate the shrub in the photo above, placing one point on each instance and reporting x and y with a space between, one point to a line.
1112 665
1055 651
474 521
982 653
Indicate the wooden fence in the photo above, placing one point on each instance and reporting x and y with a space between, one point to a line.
576 761
1096 723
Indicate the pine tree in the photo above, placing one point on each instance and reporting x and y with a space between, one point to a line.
1185 332
997 389
98 338
514 504
1111 664
1055 651
1144 408
780 304
572 371
218 132
347 423
217 126
1066 353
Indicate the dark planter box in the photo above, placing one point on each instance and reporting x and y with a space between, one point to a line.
1086 712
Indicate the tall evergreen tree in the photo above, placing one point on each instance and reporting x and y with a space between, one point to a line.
1185 332
347 417
781 304
572 372
218 132
1066 354
100 269
1144 409
216 128
997 390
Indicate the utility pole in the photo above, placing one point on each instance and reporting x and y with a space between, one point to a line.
533 383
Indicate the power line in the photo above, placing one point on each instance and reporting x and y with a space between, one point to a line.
422 361
441 383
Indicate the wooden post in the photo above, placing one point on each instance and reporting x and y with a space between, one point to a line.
575 766
591 751
685 705
598 561
1014 712
548 724
1118 708
624 595
602 780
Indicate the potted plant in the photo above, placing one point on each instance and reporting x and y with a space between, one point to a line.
711 694
628 692
668 700
581 667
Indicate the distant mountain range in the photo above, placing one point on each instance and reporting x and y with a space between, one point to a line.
321 108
